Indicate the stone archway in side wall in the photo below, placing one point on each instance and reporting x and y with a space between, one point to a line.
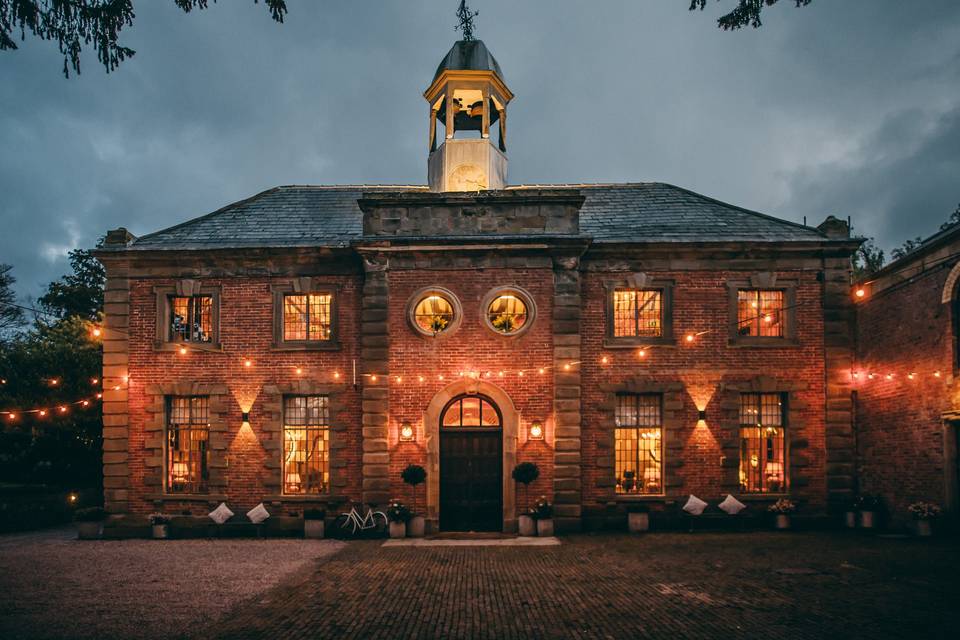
950 286
431 430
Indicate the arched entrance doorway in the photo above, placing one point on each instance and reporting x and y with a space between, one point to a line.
433 416
471 465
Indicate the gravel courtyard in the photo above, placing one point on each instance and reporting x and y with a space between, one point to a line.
54 586
664 585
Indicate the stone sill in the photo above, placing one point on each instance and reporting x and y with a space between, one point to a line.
209 347
637 343
306 346
763 343
187 497
315 497
647 498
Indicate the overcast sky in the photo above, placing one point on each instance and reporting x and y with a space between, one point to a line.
845 107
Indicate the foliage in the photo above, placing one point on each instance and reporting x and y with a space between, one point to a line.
314 514
413 475
157 519
397 511
783 507
953 220
11 317
542 509
437 323
74 24
906 247
503 322
925 510
79 293
867 260
90 514
525 473
747 12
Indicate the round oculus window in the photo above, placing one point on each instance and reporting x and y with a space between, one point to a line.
508 313
434 313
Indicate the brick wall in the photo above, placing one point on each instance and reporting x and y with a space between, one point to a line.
902 329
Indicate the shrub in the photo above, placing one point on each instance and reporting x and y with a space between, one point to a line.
783 507
159 518
90 514
413 475
924 510
314 514
542 509
397 511
525 473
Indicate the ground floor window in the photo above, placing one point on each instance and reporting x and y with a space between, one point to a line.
639 444
188 444
306 444
763 467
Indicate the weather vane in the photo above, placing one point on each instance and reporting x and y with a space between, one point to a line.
466 20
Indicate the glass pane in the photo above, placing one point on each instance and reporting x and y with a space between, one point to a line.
624 312
762 443
433 314
471 412
507 313
649 313
295 317
320 316
202 319
452 417
489 415
179 319
306 451
771 313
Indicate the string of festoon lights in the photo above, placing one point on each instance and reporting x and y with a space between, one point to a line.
62 407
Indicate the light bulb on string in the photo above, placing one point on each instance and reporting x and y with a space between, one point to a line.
336 375
936 374
860 292
642 353
540 371
96 332
94 380
248 363
604 360
689 337
42 412
419 378
299 371
910 376
520 374
183 351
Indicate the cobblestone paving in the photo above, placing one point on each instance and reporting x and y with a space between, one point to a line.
752 585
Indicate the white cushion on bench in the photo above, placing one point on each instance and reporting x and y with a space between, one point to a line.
221 514
258 514
694 506
731 505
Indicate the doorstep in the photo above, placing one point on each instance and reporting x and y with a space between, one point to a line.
549 541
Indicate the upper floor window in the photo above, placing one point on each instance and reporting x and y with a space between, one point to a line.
191 318
761 313
637 313
307 317
508 311
306 445
763 464
188 444
434 312
638 444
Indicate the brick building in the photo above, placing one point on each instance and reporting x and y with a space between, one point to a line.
907 409
639 342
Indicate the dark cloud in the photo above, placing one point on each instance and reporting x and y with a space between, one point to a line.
847 108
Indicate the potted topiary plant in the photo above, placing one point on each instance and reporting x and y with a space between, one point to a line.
869 506
313 523
160 526
398 514
542 511
414 475
90 522
782 508
924 513
525 473
638 518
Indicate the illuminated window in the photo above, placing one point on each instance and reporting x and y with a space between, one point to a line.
471 411
763 467
306 445
191 319
507 313
307 317
638 441
637 313
761 313
433 314
188 444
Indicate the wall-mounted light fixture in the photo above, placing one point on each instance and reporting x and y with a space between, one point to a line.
406 432
702 414
536 431
245 416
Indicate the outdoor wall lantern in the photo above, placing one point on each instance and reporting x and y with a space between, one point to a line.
245 416
536 431
406 432
702 415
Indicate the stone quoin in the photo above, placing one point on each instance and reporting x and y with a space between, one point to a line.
662 342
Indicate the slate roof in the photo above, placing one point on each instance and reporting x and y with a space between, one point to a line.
290 216
470 55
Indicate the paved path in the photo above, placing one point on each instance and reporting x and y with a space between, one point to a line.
751 585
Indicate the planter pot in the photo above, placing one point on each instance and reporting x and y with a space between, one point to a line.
416 527
89 530
398 529
545 527
638 522
783 521
527 526
313 529
160 531
850 519
866 519
924 528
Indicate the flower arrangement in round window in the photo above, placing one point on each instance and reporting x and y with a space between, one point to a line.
434 312
508 311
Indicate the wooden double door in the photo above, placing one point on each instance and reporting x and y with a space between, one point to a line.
471 465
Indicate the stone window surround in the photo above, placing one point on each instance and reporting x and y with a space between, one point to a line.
305 286
449 296
768 282
671 393
272 439
155 441
785 426
640 281
510 289
185 288
793 443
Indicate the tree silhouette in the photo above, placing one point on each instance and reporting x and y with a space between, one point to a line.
747 12
75 24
